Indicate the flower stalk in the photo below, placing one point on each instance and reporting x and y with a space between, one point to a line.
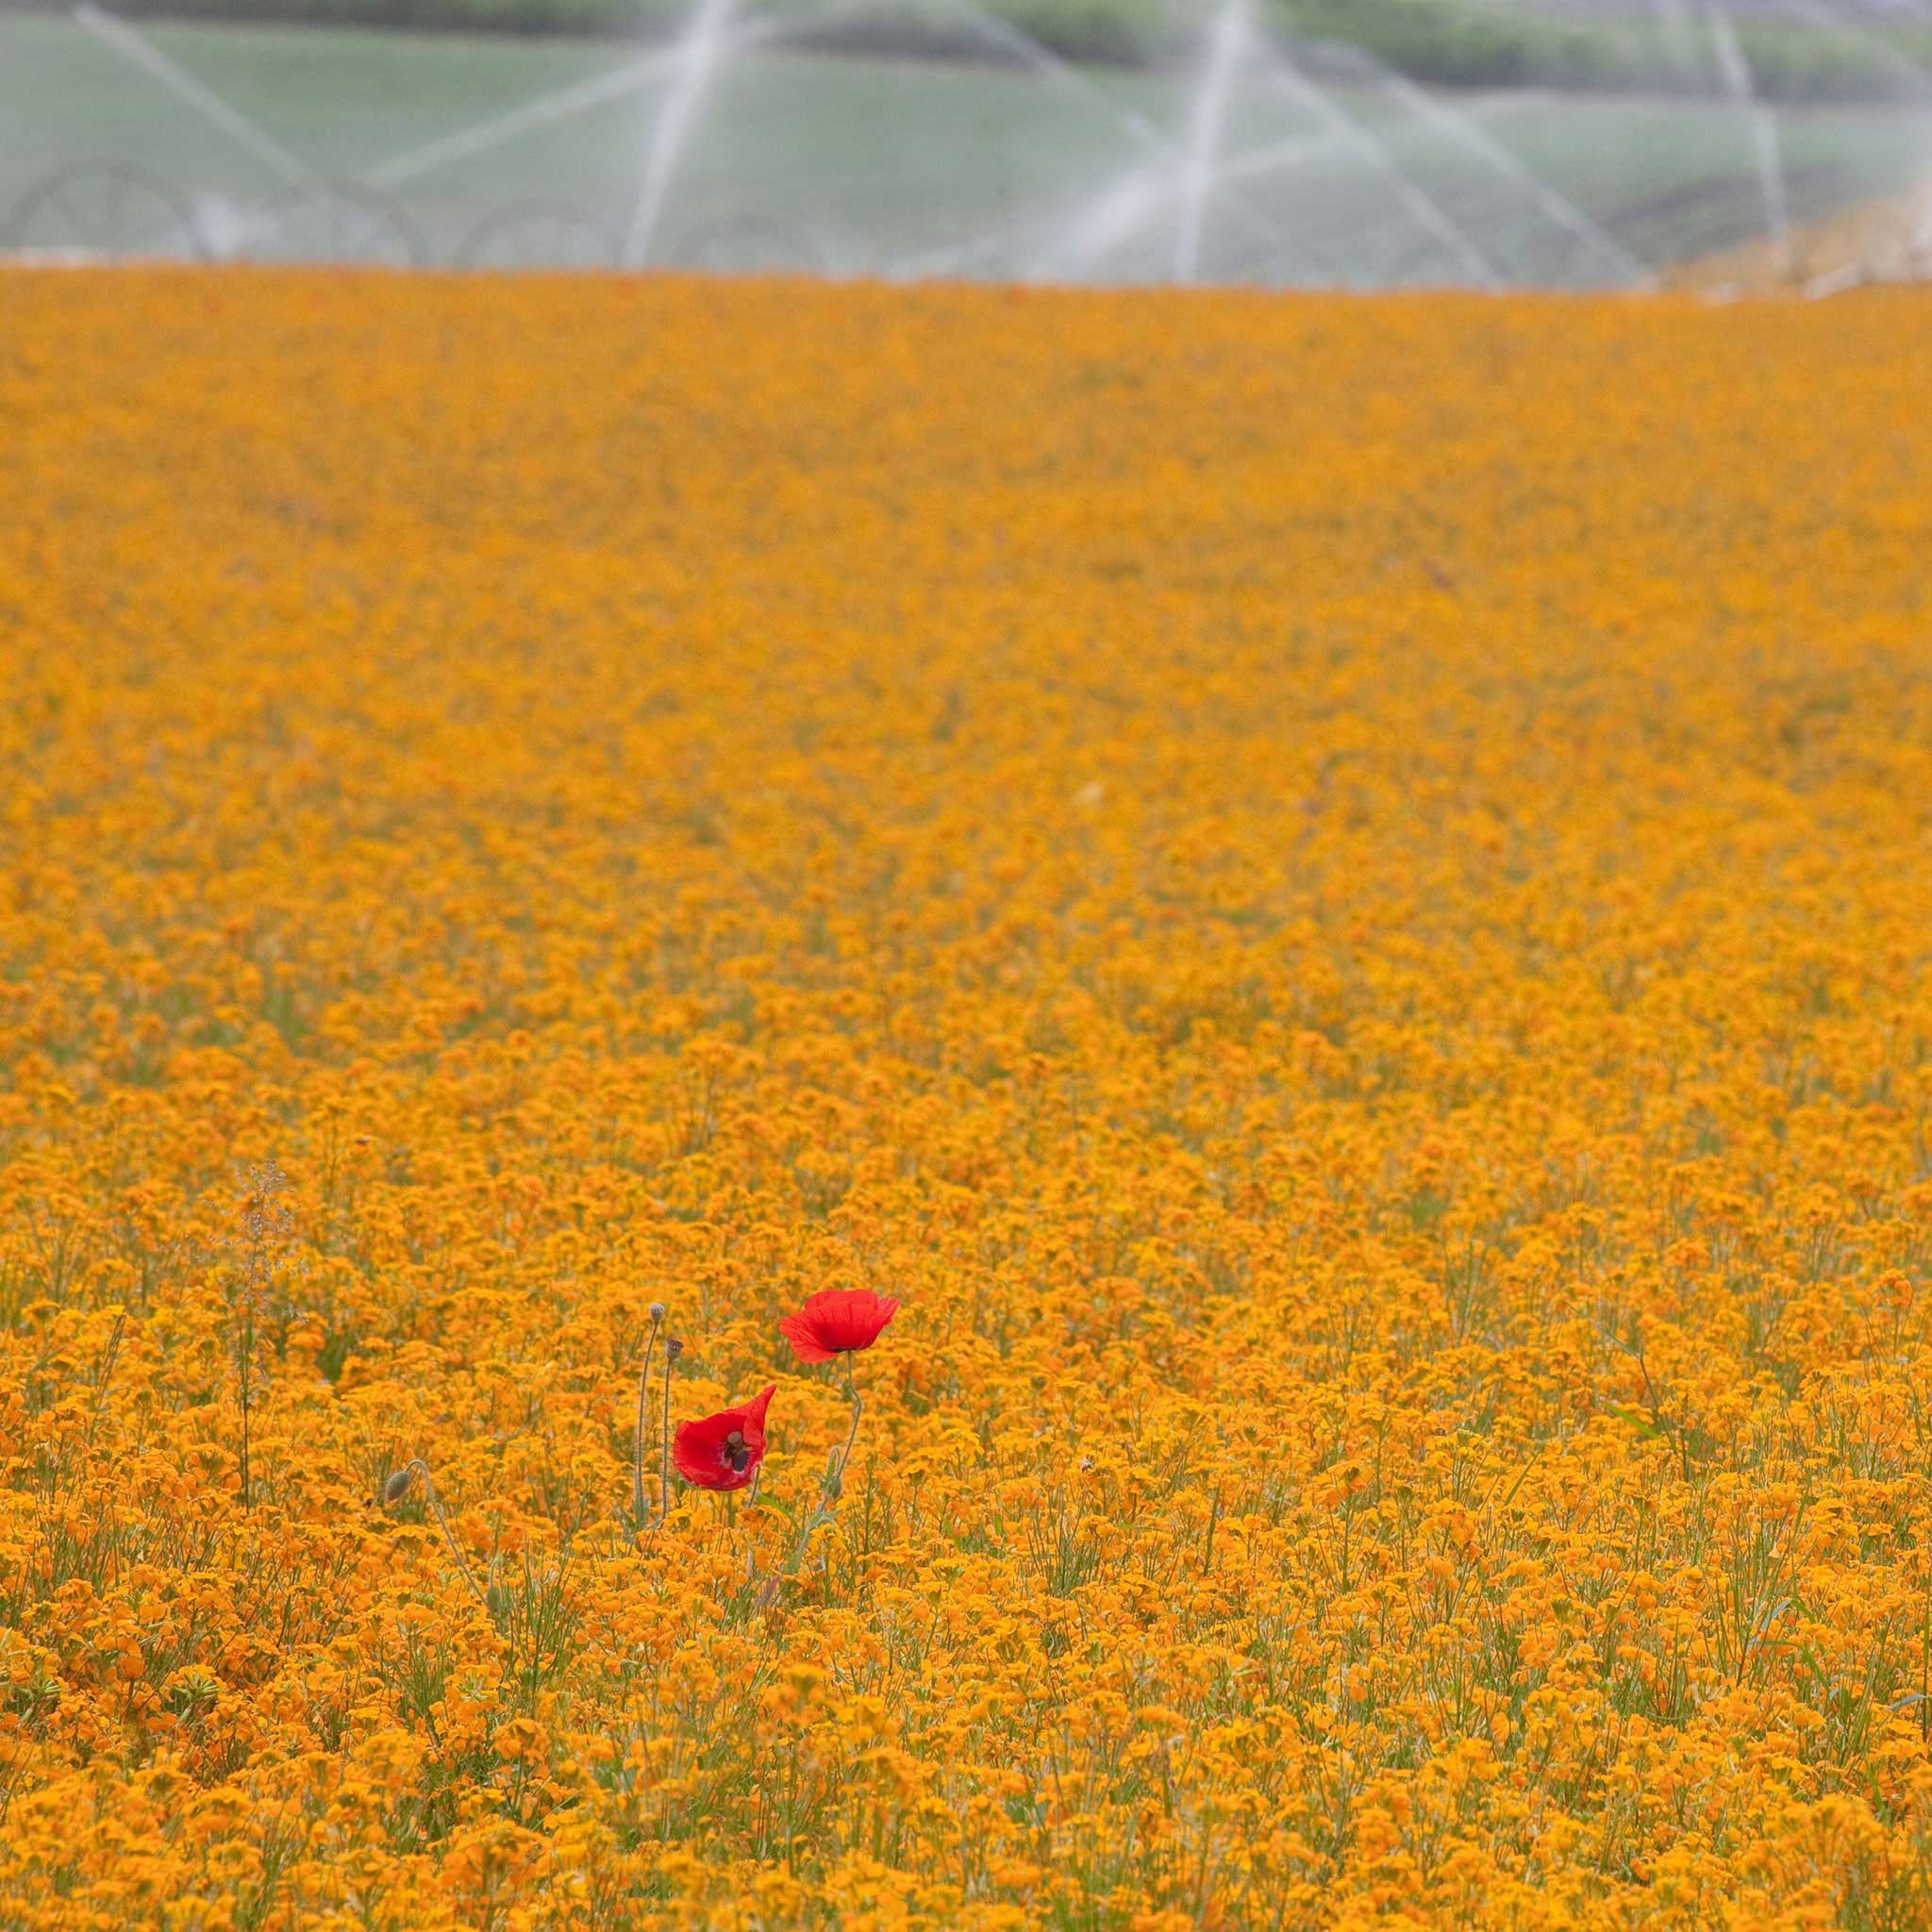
835 1475
672 1349
398 1487
637 1459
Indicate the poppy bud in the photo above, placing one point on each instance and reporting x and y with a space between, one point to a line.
397 1486
657 1312
673 1348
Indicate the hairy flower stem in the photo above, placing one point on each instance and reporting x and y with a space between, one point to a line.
822 1514
672 1350
834 1485
637 1459
835 1476
399 1487
266 1226
244 1377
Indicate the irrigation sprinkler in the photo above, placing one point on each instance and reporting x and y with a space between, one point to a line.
334 221
107 210
538 234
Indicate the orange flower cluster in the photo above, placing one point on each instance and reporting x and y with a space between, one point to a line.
1336 897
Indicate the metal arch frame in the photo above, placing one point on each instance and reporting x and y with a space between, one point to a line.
165 193
466 254
271 214
807 258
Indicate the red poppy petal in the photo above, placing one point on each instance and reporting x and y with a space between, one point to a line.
697 1453
841 1323
860 1318
754 1415
838 1321
799 1331
697 1450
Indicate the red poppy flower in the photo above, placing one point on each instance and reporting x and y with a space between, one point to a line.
838 1322
724 1451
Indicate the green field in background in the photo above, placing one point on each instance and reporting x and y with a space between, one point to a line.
866 165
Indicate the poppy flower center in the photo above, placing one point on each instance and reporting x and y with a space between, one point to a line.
735 1454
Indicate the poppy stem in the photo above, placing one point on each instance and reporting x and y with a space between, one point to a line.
834 1485
672 1350
637 1459
837 1482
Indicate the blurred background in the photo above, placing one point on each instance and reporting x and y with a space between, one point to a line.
1556 144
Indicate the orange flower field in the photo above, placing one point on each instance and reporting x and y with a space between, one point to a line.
1335 895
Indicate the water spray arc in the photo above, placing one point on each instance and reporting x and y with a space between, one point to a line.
1421 207
1469 133
565 104
697 63
1043 62
1146 191
1093 173
1679 30
142 53
1736 70
1224 44
1915 73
